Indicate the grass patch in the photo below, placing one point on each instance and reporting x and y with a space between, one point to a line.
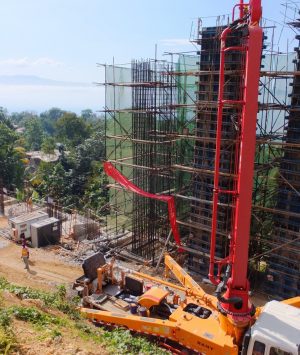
87 332
55 333
7 337
56 300
35 316
7 340
5 318
118 341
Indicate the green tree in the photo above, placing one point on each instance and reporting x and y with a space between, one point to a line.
78 178
49 119
88 114
96 195
34 134
58 183
11 159
85 170
48 145
52 180
19 118
91 150
4 118
71 129
39 178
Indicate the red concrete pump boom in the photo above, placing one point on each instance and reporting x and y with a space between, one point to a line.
235 301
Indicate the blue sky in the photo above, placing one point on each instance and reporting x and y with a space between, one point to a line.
64 39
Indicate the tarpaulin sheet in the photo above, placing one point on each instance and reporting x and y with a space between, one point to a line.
111 171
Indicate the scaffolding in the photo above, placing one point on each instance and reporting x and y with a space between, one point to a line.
160 133
205 146
283 274
145 148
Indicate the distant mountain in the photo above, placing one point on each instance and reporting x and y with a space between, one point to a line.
36 80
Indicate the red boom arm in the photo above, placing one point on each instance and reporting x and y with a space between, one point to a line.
235 302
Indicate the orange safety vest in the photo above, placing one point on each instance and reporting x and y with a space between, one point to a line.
25 252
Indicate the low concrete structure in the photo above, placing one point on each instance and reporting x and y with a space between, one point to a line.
21 224
45 232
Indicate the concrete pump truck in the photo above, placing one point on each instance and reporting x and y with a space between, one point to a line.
226 323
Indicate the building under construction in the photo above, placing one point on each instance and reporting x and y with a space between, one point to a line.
161 134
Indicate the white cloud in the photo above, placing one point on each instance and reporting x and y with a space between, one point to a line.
47 61
174 42
26 62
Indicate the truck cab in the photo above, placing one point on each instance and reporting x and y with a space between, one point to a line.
276 331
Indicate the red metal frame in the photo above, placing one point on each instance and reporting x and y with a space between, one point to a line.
238 285
242 6
217 190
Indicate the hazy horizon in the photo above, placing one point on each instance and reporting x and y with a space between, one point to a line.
37 94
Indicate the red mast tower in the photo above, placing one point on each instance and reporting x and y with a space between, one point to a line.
235 301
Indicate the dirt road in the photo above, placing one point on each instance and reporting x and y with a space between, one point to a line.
46 268
46 271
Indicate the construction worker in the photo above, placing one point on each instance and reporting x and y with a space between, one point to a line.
25 256
23 239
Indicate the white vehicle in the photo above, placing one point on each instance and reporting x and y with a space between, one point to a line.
276 331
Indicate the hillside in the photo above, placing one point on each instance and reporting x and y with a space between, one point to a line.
39 312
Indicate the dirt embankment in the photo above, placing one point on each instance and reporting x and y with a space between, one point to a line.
47 270
32 338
